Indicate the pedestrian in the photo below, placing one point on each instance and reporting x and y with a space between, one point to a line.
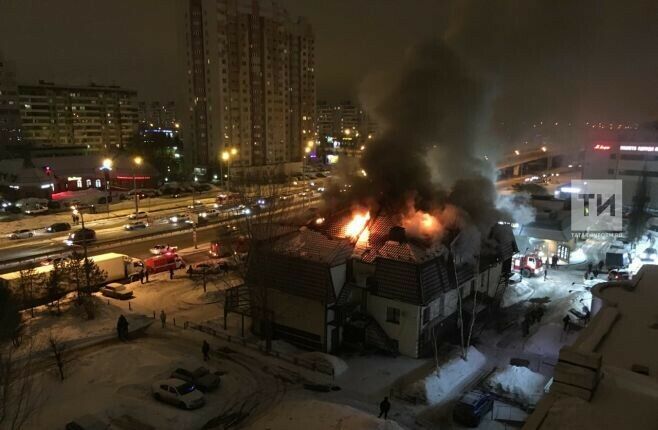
590 266
601 266
205 349
588 314
163 318
384 407
596 273
141 276
122 328
146 272
587 275
546 273
171 273
73 219
555 260
566 320
525 326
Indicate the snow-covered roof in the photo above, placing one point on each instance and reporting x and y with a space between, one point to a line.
621 345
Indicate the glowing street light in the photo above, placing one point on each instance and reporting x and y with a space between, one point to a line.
544 149
107 164
138 161
517 152
226 156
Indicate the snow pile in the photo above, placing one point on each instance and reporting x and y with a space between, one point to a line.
326 360
518 383
516 293
452 374
318 415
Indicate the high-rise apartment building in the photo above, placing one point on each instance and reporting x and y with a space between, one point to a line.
9 110
344 120
98 117
157 114
249 82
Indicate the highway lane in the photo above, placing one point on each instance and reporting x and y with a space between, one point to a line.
184 238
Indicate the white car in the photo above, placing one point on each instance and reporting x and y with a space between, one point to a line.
162 249
178 393
35 210
649 254
138 215
179 218
20 234
116 291
135 225
211 213
197 207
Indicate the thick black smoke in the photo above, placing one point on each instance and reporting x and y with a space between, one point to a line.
426 157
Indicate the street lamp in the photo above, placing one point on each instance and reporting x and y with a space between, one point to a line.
107 166
84 242
137 162
226 156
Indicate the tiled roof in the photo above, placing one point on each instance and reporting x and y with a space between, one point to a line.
311 245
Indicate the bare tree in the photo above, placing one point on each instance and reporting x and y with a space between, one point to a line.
474 311
29 280
18 395
57 349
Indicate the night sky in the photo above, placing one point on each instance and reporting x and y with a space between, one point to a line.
596 60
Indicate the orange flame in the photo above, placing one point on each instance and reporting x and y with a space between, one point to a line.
357 224
422 225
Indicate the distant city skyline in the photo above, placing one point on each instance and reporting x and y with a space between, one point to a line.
543 53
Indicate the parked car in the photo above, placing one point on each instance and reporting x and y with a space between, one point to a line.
87 422
138 215
20 234
201 378
84 235
53 260
619 275
179 393
116 291
58 226
35 210
180 218
135 225
161 249
472 406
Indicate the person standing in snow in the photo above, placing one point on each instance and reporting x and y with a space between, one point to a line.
122 328
546 272
141 276
384 407
171 273
205 349
163 318
566 320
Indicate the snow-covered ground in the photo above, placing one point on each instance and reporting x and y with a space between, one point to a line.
320 415
517 383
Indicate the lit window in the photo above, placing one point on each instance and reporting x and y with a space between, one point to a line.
78 183
98 183
88 183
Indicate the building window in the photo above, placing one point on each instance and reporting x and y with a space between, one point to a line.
98 183
78 183
426 315
88 183
392 315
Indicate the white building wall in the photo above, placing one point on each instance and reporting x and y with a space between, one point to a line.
407 331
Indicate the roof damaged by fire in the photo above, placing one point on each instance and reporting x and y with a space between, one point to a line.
333 285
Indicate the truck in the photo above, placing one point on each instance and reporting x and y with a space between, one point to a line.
116 266
527 264
616 260
164 262
228 246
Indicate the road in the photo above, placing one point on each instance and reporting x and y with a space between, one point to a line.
28 252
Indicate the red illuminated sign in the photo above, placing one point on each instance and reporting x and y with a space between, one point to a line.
601 147
141 178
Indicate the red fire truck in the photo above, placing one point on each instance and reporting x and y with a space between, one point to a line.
528 264
164 262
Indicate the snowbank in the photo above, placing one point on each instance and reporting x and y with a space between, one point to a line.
318 415
518 383
329 360
452 374
516 293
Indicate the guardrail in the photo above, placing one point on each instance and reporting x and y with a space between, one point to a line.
117 242
297 361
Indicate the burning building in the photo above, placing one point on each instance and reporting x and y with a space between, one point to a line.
362 281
